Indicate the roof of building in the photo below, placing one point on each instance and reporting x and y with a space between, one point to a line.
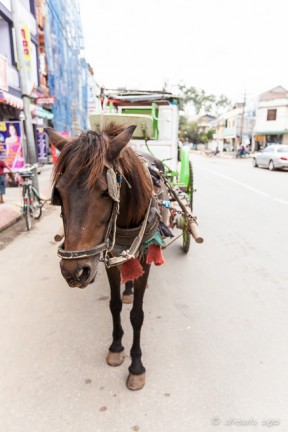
278 92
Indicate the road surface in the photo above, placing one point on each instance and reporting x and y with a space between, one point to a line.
215 333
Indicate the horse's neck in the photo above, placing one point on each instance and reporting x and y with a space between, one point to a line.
127 202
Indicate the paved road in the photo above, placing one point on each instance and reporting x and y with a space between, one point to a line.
214 339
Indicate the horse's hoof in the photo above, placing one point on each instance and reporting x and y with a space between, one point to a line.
128 299
115 358
135 382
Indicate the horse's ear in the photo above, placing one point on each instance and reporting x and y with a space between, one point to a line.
56 139
119 142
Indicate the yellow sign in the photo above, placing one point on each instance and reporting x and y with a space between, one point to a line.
260 138
3 127
26 43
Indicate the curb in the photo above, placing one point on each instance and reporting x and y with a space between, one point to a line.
8 216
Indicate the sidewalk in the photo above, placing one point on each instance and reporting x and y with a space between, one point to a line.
10 211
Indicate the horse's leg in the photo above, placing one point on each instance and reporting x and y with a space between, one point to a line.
127 296
115 355
136 378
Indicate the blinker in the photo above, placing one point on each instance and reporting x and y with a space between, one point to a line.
112 183
55 197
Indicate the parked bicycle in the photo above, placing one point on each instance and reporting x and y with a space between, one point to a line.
32 202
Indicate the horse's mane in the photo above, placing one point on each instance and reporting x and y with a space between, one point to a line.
86 155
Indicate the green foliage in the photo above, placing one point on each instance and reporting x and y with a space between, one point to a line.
201 100
210 134
189 132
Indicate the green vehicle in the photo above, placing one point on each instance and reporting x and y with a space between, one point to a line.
156 115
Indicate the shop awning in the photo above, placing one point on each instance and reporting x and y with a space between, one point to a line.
11 100
17 103
281 132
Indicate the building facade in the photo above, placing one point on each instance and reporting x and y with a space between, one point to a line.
64 69
13 143
234 127
10 89
272 118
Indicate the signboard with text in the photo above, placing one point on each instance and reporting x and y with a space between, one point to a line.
45 101
41 144
11 144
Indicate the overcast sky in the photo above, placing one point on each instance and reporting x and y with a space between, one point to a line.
222 46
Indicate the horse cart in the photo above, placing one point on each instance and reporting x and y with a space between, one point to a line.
156 115
121 188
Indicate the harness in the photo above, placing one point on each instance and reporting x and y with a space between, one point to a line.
114 235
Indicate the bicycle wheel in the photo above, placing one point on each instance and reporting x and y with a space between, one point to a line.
35 205
26 209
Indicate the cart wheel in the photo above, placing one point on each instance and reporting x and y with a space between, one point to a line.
190 190
186 239
191 185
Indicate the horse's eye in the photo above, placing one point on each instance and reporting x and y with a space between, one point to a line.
105 194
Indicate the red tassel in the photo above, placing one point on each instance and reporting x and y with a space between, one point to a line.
155 255
131 270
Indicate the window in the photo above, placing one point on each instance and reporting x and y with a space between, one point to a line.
283 149
5 47
271 114
268 149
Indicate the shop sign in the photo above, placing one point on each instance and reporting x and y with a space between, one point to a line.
3 73
55 152
259 138
45 101
11 144
41 142
26 43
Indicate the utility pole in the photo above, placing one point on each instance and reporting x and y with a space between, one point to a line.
30 148
242 119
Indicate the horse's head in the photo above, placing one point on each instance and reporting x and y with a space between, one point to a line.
81 188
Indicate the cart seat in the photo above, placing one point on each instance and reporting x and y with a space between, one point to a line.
143 122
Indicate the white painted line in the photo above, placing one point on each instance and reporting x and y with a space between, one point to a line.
240 183
281 201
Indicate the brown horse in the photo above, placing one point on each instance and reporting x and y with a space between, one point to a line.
94 209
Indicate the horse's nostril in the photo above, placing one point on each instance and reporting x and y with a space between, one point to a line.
79 273
83 274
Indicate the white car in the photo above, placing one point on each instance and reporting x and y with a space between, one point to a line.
273 156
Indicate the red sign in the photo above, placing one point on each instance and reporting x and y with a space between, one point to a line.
45 101
54 150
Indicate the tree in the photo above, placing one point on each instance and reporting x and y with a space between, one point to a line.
189 132
201 100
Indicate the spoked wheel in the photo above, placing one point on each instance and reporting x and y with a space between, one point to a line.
191 185
186 239
35 207
26 209
190 191
27 215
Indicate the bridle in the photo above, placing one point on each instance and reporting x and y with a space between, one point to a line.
114 181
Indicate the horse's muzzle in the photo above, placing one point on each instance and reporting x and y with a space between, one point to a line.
80 277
